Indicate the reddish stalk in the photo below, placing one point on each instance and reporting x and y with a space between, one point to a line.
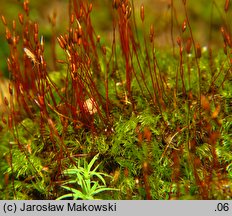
196 51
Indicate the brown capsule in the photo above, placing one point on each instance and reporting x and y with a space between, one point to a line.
79 41
147 169
12 59
75 36
10 89
216 112
80 32
26 6
140 138
41 101
54 16
10 121
70 31
184 25
17 38
72 18
184 2
13 25
6 101
81 12
142 12
14 41
181 50
89 62
145 166
126 172
61 42
3 20
9 65
223 33
4 120
36 28
65 39
73 67
90 7
147 134
226 37
36 38
188 45
152 33
198 50
52 126
61 61
178 40
228 40
26 33
21 18
98 38
8 36
227 4
70 34
205 103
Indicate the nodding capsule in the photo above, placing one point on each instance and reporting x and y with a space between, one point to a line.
3 20
90 7
13 24
152 33
98 38
6 101
198 50
36 28
72 18
8 35
62 42
227 4
21 18
184 25
188 45
178 40
142 12
26 6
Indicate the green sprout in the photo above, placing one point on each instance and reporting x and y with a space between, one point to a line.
84 178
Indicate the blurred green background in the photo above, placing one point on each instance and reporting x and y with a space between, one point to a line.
205 17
